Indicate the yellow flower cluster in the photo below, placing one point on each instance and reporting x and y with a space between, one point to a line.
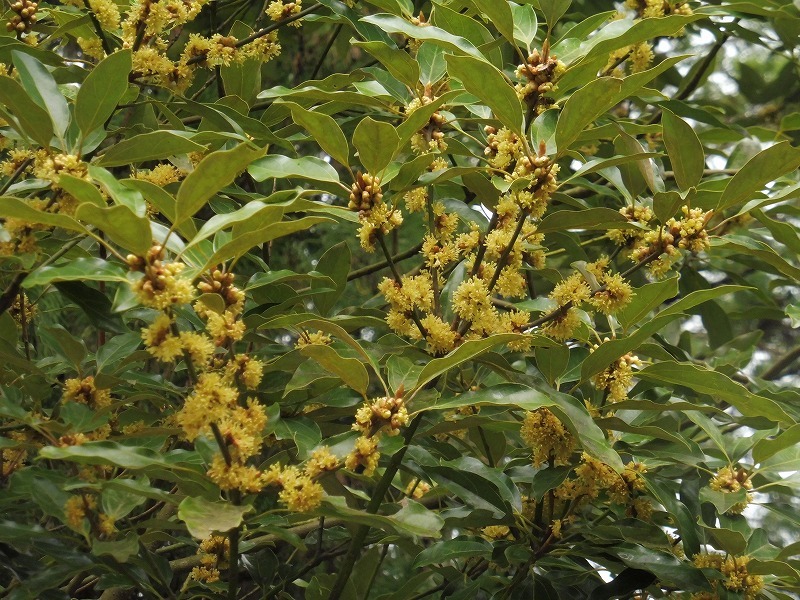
617 377
161 286
160 175
81 511
546 436
316 338
21 310
374 418
299 492
688 233
539 73
734 570
640 55
279 10
376 218
84 391
214 554
417 488
502 147
729 480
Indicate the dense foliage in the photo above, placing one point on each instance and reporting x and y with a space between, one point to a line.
393 299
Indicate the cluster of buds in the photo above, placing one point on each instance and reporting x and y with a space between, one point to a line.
387 414
430 138
221 282
729 481
160 287
25 16
658 8
690 231
365 192
539 73
502 147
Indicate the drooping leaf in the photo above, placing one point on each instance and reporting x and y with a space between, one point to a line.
102 90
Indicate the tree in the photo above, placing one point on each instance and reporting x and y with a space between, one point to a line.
394 299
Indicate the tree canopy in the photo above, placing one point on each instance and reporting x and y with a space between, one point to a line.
394 299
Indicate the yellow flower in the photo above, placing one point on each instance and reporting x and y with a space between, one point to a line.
321 460
546 436
364 457
159 341
734 569
440 336
728 480
248 370
315 338
224 327
387 414
83 391
198 346
300 493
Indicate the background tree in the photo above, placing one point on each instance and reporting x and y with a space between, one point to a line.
382 299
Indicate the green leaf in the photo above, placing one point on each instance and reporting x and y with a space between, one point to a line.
401 372
393 24
325 131
443 552
280 167
646 299
685 150
667 567
148 146
377 144
102 90
404 68
349 370
467 351
120 224
487 83
95 305
120 550
42 89
583 107
264 213
728 540
214 172
553 10
476 491
413 519
666 204
33 120
583 220
716 385
722 501
335 263
765 448
19 209
498 14
83 190
203 518
417 520
432 66
241 244
99 453
766 166
525 24
552 362
568 409
79 269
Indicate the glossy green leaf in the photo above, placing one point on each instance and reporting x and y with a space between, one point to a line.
766 166
398 62
377 143
646 299
716 385
79 269
552 362
583 107
82 190
685 150
42 89
349 370
335 263
214 172
102 90
583 220
279 167
120 224
325 131
203 518
553 10
766 448
393 24
450 550
19 209
148 146
487 83
33 120
525 24
498 14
